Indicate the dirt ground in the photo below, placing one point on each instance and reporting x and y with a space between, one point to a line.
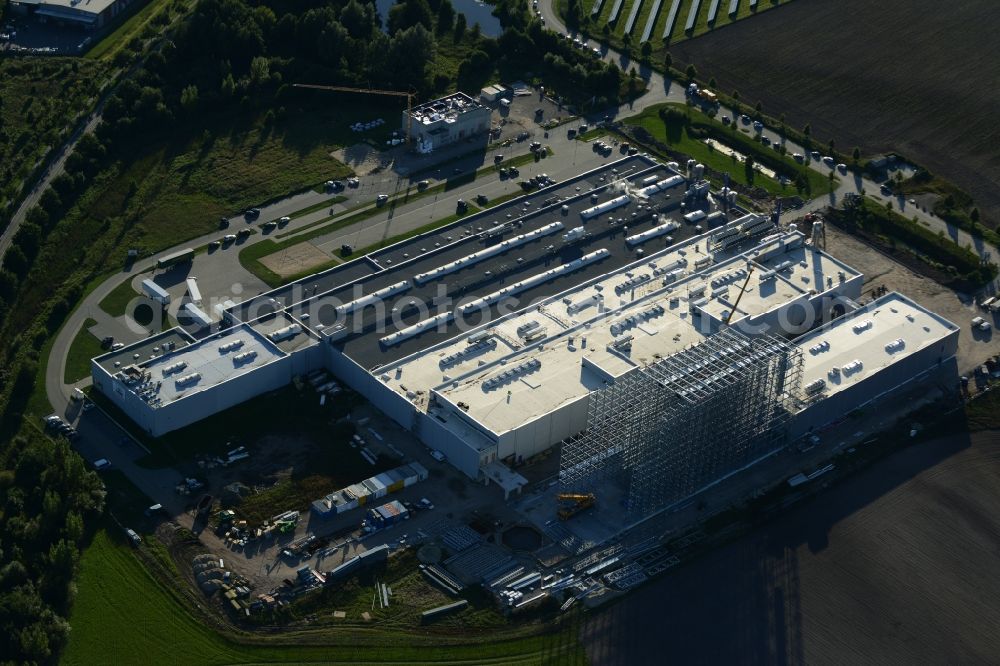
958 308
913 76
295 259
895 565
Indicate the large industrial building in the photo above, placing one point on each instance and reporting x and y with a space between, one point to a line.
446 120
89 14
662 335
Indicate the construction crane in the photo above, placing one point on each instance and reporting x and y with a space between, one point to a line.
373 91
743 290
577 503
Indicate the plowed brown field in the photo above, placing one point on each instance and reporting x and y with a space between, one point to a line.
896 565
921 77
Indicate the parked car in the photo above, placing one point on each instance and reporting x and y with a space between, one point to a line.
269 225
133 538
213 245
223 222
514 173
381 199
353 181
423 185
252 213
284 220
461 206
116 346
107 341
437 455
102 464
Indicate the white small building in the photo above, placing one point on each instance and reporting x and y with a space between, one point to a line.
447 120
490 94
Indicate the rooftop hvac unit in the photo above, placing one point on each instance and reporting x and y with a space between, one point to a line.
188 379
230 346
524 329
174 367
245 357
604 207
815 387
820 347
285 333
853 366
862 326
895 346
624 342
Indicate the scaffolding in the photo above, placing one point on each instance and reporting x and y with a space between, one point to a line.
683 423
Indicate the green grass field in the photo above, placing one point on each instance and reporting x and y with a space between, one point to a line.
183 184
117 300
133 26
123 615
680 139
85 347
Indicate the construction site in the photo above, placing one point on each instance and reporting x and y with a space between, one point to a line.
608 352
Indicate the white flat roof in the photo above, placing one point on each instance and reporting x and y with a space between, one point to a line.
870 336
574 357
88 6
215 360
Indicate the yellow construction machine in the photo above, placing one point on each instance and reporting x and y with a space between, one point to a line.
573 503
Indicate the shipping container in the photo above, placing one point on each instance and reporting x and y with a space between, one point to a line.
420 470
155 292
388 514
398 481
378 489
360 493
182 257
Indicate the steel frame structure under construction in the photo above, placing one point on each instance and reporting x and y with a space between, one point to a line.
683 423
